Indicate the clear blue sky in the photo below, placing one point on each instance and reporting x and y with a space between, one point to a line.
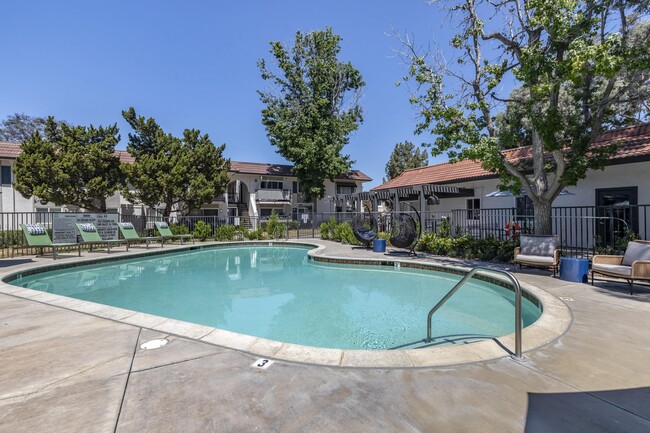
192 64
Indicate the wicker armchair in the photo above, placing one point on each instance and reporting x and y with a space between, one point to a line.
536 250
634 265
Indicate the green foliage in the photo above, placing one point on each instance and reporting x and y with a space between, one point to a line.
317 108
405 156
74 165
202 230
254 235
274 227
179 229
327 228
182 173
385 236
19 127
343 233
620 243
491 249
340 232
225 232
444 228
578 68
10 238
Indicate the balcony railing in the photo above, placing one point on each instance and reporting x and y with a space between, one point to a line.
273 195
233 198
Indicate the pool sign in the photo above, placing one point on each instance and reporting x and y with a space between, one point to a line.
65 230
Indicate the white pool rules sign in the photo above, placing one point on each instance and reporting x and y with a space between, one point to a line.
65 230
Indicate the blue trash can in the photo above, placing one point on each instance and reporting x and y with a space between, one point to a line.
379 245
572 269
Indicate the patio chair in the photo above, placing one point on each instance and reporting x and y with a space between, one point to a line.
364 227
166 233
538 250
633 265
91 238
36 237
131 236
405 232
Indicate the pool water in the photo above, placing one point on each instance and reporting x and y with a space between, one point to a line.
277 293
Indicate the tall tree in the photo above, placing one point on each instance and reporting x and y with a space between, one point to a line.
404 157
18 127
74 165
578 53
314 109
178 173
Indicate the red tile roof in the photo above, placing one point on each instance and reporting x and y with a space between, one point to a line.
634 142
124 156
9 150
12 150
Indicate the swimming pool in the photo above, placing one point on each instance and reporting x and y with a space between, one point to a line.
277 293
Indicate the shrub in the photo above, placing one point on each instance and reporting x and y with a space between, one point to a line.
327 229
225 232
491 249
385 236
202 230
179 229
13 237
273 225
324 230
344 234
253 235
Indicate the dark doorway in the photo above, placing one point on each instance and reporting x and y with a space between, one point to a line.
618 211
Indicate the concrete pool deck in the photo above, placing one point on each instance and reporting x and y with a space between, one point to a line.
64 370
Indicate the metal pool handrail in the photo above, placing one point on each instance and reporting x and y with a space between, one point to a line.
470 274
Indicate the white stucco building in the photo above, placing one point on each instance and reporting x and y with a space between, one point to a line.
255 190
618 193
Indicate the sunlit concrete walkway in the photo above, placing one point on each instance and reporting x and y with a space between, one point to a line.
65 371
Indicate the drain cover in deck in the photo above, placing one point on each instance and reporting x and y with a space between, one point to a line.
153 344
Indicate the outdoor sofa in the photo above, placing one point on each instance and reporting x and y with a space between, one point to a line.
633 265
538 250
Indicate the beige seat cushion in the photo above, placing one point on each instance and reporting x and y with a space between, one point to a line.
613 269
534 259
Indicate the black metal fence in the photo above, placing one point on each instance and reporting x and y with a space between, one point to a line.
582 229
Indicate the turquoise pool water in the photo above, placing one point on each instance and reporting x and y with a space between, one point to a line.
277 293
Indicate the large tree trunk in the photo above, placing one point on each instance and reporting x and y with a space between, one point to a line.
543 217
168 209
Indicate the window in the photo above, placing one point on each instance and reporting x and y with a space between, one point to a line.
272 184
295 187
266 212
473 208
6 175
297 212
524 206
345 189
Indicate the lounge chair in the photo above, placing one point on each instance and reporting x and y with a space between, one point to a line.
131 236
364 227
90 237
37 237
536 250
166 233
633 265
